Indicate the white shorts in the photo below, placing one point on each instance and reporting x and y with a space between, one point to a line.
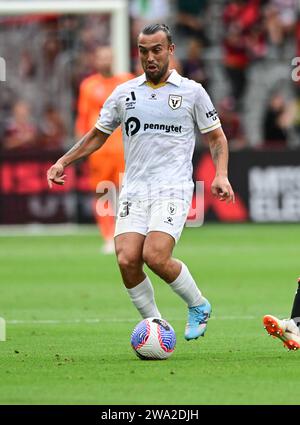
163 215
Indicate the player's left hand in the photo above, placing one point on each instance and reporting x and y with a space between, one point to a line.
221 189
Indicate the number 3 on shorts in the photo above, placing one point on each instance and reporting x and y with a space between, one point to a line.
126 208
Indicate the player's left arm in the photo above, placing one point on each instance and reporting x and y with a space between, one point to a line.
220 188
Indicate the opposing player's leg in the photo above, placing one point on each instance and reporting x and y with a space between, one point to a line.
166 224
286 330
295 313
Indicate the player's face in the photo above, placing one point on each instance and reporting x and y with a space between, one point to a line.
154 52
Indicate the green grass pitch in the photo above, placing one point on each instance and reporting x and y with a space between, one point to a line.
69 321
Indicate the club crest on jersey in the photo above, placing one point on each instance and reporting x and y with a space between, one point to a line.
175 101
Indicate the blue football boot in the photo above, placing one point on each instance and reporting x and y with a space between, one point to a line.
197 320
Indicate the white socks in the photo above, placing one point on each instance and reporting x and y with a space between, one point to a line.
186 288
142 297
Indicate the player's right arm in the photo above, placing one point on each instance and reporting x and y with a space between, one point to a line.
92 141
107 122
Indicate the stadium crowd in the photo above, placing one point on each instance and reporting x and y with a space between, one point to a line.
241 51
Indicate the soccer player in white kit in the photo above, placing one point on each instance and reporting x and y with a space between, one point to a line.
158 113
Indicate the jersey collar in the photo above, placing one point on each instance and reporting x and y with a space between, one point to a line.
174 78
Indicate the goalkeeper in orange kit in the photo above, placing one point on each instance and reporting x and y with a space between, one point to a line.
108 163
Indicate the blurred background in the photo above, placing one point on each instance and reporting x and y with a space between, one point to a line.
240 51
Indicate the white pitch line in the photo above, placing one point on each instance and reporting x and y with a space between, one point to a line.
46 230
95 321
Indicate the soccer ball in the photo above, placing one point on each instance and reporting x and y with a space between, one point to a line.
153 338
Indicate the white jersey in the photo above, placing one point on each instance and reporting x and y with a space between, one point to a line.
159 130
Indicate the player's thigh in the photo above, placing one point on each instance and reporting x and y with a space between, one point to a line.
169 216
129 249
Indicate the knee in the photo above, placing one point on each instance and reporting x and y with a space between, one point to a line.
128 260
154 259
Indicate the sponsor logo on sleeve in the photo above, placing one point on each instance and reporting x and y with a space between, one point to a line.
212 114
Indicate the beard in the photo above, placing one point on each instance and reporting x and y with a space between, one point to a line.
156 76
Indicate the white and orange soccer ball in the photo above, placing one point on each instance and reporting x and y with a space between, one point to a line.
153 338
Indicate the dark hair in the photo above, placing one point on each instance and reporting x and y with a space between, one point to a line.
153 28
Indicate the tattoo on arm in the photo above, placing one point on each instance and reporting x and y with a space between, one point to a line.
64 161
92 141
76 146
216 150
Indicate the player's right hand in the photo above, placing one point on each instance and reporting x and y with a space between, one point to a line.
56 175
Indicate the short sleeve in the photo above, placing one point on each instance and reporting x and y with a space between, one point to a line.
206 115
109 118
